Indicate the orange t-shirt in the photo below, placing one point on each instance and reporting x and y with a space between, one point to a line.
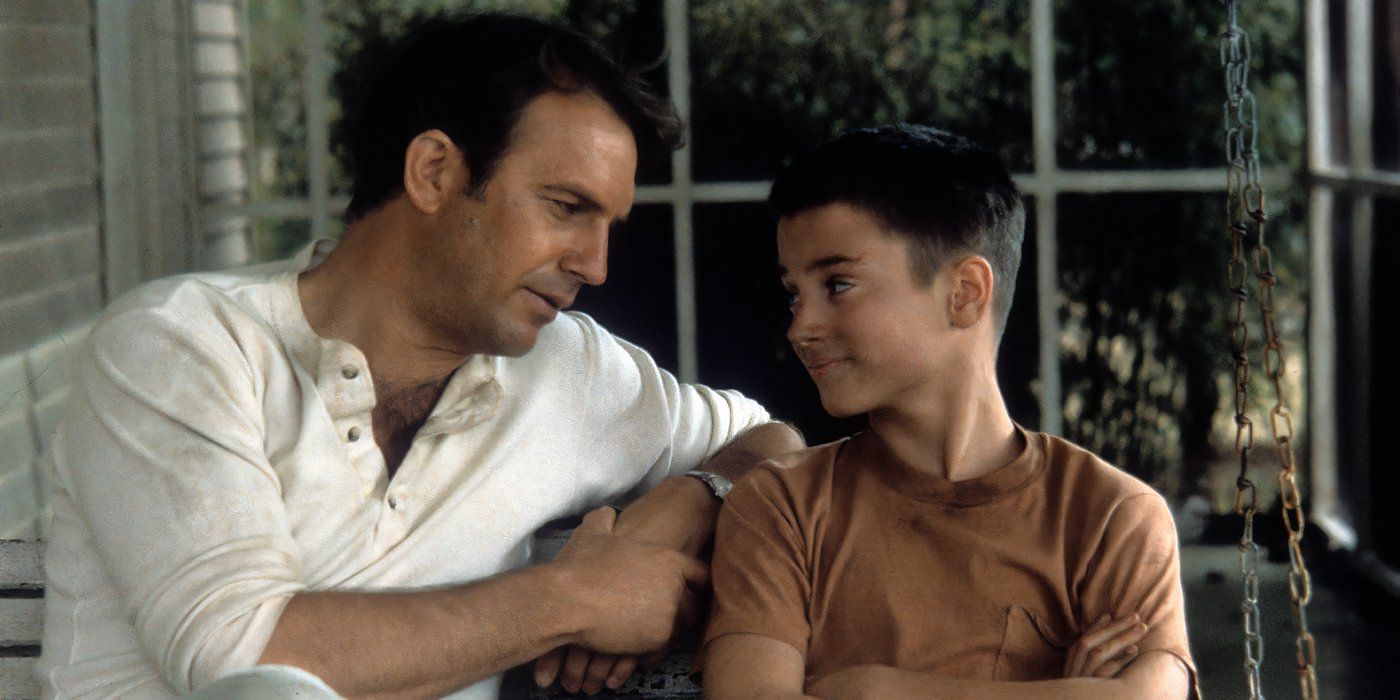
853 560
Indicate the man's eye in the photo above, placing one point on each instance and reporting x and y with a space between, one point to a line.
791 297
569 208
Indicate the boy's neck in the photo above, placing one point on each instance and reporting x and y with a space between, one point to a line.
956 432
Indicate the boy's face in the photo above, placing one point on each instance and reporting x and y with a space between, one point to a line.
867 333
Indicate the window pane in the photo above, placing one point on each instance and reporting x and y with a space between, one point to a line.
638 302
771 77
1018 360
274 239
633 31
276 55
1385 124
1145 347
1140 84
1383 376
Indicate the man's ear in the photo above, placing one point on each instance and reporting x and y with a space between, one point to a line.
434 169
971 284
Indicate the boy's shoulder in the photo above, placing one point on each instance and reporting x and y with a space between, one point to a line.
1087 480
794 476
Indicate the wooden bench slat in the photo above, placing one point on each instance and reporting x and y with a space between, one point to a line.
21 621
21 564
17 681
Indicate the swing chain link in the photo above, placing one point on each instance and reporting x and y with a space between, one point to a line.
1245 202
1239 135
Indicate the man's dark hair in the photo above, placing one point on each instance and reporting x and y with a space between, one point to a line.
471 76
938 190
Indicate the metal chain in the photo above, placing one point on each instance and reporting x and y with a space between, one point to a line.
1239 136
1245 202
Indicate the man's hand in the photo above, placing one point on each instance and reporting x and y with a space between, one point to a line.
1106 648
645 594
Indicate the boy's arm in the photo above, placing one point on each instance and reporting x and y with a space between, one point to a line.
1152 676
679 513
743 666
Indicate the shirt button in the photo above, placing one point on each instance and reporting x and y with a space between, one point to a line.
349 372
353 434
394 502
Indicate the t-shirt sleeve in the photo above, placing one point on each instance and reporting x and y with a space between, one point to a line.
162 455
672 426
1137 569
759 571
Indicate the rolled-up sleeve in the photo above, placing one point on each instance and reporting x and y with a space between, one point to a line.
161 451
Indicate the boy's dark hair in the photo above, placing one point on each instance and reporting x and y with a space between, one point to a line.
938 190
471 76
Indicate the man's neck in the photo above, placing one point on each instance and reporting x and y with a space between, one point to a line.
359 294
957 432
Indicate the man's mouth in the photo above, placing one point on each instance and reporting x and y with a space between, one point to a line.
558 302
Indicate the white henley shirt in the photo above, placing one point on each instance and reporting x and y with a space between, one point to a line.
216 457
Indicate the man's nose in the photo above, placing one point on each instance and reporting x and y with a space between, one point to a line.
588 259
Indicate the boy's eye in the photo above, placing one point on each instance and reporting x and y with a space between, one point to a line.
791 297
836 286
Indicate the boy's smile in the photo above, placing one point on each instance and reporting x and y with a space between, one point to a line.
867 333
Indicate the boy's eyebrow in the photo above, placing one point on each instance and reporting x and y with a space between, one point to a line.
822 263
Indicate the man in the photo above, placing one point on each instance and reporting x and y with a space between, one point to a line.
335 463
945 551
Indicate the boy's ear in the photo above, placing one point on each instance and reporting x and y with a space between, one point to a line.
433 170
971 284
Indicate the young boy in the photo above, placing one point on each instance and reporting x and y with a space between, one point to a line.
945 551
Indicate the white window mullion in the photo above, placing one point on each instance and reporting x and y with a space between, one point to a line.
1359 75
1046 172
317 135
682 204
1319 116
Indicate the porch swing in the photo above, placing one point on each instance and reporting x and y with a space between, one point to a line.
1245 218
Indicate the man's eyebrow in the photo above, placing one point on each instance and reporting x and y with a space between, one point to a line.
586 201
822 263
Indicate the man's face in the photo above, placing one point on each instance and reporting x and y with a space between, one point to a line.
868 334
499 265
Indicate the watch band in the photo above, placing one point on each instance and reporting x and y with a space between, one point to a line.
718 485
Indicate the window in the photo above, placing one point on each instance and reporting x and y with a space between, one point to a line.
1108 112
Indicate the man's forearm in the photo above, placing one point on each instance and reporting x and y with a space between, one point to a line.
428 643
681 511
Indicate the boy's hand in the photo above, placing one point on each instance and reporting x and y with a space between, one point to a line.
1106 648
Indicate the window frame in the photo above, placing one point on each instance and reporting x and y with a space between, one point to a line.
1046 182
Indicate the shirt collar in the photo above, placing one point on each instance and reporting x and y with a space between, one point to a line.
1005 479
472 395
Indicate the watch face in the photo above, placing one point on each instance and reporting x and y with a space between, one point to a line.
719 485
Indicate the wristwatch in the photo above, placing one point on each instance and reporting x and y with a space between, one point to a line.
718 485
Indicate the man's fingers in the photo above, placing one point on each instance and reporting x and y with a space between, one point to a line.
599 521
696 573
1113 667
598 671
547 667
574 667
621 671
